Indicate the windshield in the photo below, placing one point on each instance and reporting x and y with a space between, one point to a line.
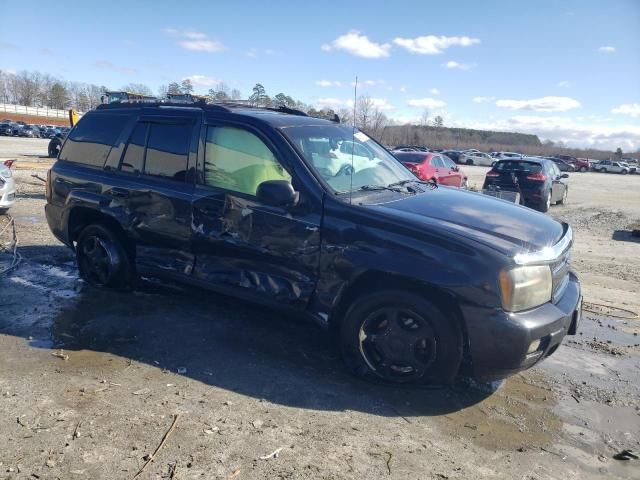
346 161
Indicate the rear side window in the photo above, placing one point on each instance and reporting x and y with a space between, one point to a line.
91 140
133 161
168 150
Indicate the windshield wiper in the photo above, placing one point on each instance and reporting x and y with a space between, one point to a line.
402 183
380 187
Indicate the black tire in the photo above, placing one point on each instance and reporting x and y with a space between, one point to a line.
436 342
565 195
546 203
469 162
103 260
54 148
583 169
624 172
3 211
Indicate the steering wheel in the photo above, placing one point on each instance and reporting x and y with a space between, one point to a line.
345 169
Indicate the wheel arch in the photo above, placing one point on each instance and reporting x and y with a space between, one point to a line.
373 280
81 216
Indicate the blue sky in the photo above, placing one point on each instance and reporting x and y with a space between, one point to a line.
566 70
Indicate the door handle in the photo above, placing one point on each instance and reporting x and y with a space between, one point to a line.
119 192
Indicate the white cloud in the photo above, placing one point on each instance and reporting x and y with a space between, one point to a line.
202 45
328 83
544 104
607 49
483 99
359 45
202 80
381 104
564 84
195 41
255 52
434 91
632 109
334 102
368 83
426 103
432 44
459 66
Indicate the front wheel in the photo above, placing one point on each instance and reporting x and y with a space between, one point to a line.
469 162
583 169
103 260
400 337
563 200
624 172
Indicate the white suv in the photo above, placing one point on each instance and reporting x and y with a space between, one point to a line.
7 188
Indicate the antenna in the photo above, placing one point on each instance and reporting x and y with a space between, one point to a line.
353 136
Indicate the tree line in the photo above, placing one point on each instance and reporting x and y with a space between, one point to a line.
36 89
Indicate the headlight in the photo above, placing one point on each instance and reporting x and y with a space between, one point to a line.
525 287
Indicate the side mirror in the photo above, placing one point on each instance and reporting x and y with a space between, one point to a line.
455 168
564 175
277 193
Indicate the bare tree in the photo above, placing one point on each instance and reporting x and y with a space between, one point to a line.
424 118
137 88
235 94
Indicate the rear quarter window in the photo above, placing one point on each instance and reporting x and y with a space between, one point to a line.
92 138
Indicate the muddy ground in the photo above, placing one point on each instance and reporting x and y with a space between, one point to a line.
245 382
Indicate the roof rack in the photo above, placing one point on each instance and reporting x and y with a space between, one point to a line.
180 101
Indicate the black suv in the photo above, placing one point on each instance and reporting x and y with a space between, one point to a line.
415 282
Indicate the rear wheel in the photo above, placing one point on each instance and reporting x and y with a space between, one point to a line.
583 169
400 337
546 203
102 258
624 172
469 162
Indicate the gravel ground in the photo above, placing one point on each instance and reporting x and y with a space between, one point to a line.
244 382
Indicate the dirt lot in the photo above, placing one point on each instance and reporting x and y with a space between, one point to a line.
245 382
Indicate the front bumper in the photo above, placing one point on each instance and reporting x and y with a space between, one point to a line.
499 341
7 193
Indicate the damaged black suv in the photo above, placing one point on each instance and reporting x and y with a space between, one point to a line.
415 282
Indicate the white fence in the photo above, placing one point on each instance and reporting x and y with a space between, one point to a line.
36 111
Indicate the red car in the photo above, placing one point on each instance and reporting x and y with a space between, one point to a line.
430 166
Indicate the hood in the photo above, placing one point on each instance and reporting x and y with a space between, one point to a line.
499 224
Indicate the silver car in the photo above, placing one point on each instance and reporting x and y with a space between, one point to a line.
608 166
473 157
7 189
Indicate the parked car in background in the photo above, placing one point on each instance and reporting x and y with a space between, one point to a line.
7 188
452 154
6 129
48 133
632 169
539 181
470 157
563 165
582 165
433 167
30 131
609 166
17 128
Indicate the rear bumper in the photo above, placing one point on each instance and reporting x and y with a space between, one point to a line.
499 341
55 216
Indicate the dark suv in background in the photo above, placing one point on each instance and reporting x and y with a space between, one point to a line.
414 282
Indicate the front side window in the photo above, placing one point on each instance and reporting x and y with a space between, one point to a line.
168 150
238 160
361 163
